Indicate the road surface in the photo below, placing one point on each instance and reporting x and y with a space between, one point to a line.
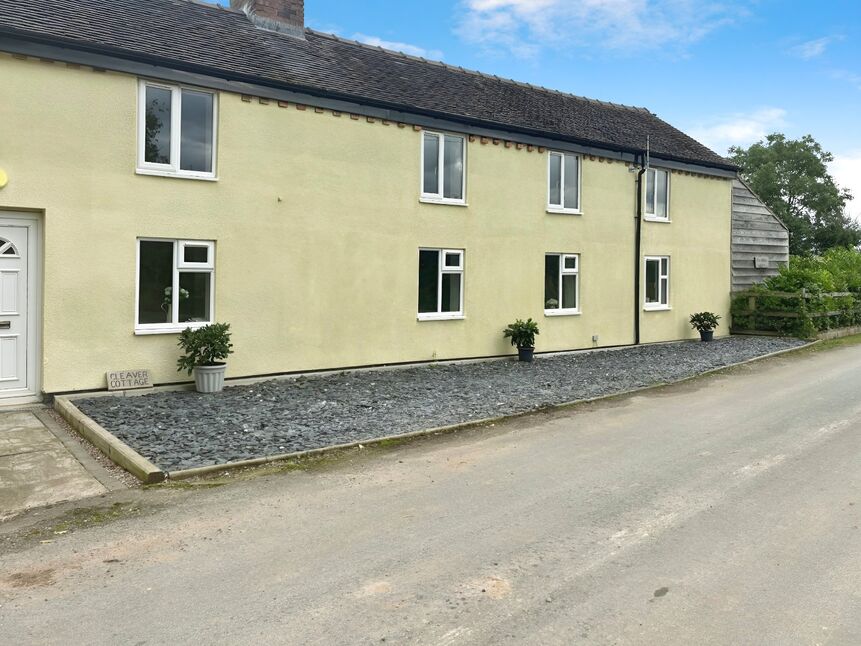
722 511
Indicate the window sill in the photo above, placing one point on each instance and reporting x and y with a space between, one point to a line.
658 308
439 200
649 218
558 211
167 329
561 312
175 175
441 317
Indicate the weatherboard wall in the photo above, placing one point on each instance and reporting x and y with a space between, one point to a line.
317 224
760 241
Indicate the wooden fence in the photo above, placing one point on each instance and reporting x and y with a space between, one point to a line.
800 313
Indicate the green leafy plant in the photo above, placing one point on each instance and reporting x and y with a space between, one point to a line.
811 294
205 346
522 333
704 321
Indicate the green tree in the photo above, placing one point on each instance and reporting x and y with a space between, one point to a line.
792 177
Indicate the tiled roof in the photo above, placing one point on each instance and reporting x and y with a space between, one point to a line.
195 36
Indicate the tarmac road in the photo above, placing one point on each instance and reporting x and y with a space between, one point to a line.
721 511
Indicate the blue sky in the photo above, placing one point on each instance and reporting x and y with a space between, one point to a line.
727 72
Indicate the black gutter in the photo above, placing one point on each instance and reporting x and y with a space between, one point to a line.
638 239
324 93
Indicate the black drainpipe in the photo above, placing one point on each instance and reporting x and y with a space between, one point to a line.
637 243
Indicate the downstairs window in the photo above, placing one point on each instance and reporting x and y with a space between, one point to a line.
561 284
440 284
175 285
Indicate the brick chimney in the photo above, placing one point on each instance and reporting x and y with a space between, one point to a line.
286 16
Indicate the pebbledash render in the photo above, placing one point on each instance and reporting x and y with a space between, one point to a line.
169 163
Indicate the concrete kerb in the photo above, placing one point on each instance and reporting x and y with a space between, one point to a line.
142 468
118 451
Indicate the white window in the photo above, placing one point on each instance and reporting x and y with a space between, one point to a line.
657 194
176 131
657 283
175 285
443 168
563 192
440 284
561 284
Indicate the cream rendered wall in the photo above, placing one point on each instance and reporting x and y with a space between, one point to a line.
318 225
696 239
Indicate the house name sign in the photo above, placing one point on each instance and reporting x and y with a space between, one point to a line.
129 379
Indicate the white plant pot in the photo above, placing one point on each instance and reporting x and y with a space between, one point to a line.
209 379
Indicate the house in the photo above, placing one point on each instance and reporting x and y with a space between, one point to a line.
170 162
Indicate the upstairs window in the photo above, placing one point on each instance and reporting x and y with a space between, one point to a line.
561 284
443 168
657 194
657 283
176 279
563 193
176 131
440 284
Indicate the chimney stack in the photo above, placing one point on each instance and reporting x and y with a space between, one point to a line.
286 16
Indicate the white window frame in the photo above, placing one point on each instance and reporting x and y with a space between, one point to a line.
437 198
560 208
567 311
649 209
179 265
439 315
172 169
663 294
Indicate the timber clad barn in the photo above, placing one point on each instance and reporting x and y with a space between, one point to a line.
170 163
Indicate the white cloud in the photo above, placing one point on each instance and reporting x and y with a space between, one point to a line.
738 129
406 48
849 77
813 48
846 170
524 27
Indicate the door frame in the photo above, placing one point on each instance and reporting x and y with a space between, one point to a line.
33 390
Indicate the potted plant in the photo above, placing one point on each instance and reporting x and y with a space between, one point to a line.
205 350
705 322
522 335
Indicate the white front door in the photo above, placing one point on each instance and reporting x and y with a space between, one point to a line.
17 360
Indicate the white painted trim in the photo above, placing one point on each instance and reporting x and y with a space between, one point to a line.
433 200
175 327
652 307
650 215
442 270
561 208
175 175
438 198
564 311
172 169
35 254
444 316
147 330
210 254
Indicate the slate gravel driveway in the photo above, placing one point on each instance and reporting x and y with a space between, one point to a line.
181 430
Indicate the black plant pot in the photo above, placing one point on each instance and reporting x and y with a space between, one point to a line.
707 335
525 354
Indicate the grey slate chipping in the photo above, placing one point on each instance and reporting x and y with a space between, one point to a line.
195 36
